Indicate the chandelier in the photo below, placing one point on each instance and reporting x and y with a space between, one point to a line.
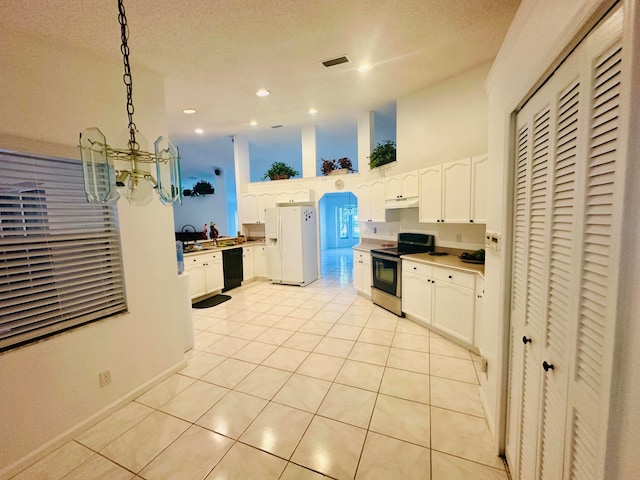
133 173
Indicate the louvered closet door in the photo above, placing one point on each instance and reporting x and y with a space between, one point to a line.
562 318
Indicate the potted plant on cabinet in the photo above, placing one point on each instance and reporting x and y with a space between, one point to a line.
202 187
279 171
333 167
382 154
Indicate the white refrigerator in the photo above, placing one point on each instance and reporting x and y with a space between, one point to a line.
291 243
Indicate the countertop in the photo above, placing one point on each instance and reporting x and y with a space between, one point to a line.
207 246
449 261
368 244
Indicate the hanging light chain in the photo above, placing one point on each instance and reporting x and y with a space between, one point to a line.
128 81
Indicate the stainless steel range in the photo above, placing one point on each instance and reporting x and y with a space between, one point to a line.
386 290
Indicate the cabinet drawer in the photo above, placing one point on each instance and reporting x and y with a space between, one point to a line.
417 268
455 277
359 255
193 260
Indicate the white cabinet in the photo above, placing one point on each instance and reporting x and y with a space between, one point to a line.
294 196
248 267
417 291
254 205
371 201
205 273
454 303
456 191
479 181
401 190
362 272
430 206
260 261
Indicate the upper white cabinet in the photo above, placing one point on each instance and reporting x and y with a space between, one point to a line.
254 205
401 190
294 196
430 206
454 192
371 201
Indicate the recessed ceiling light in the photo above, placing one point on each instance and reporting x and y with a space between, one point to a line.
189 111
312 111
253 123
262 92
365 67
199 131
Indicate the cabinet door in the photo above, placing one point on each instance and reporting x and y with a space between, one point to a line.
410 184
214 274
248 269
430 206
250 208
197 285
301 196
357 272
363 192
453 310
456 191
283 197
416 295
260 261
377 201
393 188
479 179
265 200
366 275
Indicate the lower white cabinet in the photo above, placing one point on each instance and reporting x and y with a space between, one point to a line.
248 266
205 273
417 291
362 272
260 261
453 309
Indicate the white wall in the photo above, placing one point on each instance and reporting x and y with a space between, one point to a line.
48 388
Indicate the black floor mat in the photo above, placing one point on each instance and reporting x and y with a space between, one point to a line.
211 301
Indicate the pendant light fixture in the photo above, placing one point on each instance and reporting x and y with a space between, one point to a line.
133 173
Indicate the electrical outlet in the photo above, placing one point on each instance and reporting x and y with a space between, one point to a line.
105 378
459 237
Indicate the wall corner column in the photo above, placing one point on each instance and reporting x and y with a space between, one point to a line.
366 125
309 154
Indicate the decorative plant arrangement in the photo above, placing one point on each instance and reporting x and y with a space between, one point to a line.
342 165
202 187
279 171
382 154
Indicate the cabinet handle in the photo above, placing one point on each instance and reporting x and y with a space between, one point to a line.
438 221
547 366
428 280
526 340
450 276
415 268
471 221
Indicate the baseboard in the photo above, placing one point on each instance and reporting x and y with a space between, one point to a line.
55 443
487 413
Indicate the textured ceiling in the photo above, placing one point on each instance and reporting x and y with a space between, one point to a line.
214 54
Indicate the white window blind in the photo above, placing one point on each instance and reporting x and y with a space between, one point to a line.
60 257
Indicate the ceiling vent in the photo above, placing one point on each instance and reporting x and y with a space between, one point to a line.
276 126
336 61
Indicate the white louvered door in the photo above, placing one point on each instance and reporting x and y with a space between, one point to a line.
562 317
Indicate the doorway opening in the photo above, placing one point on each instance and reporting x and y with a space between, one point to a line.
339 231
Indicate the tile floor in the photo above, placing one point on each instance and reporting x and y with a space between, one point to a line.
297 383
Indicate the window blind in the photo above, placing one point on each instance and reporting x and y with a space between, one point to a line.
60 257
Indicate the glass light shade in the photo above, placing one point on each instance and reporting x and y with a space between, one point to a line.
97 167
167 171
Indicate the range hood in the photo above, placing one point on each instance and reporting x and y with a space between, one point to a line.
411 202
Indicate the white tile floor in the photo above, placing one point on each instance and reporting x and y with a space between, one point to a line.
297 383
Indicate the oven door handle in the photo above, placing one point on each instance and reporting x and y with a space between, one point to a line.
386 257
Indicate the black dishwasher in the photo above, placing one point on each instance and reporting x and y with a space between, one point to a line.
232 265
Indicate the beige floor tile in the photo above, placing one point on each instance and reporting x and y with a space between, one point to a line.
274 336
384 458
99 468
165 391
321 366
327 316
248 331
346 332
316 327
361 375
281 310
255 352
402 419
302 392
453 368
447 467
336 307
259 307
303 341
229 373
378 337
57 464
305 313
247 463
296 472
225 327
202 340
286 359
464 436
337 347
319 449
349 405
411 327
194 401
199 363
454 395
232 414
409 360
247 314
277 429
143 442
227 346
369 353
203 448
350 318
404 384
361 310
114 425
263 382
442 346
381 321
292 302
411 342
290 323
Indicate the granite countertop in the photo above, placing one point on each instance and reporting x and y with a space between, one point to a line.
207 246
449 261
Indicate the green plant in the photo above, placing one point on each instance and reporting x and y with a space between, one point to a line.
202 187
382 154
280 170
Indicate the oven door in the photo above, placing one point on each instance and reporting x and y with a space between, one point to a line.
386 273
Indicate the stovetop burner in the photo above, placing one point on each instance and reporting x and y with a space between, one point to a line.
409 243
